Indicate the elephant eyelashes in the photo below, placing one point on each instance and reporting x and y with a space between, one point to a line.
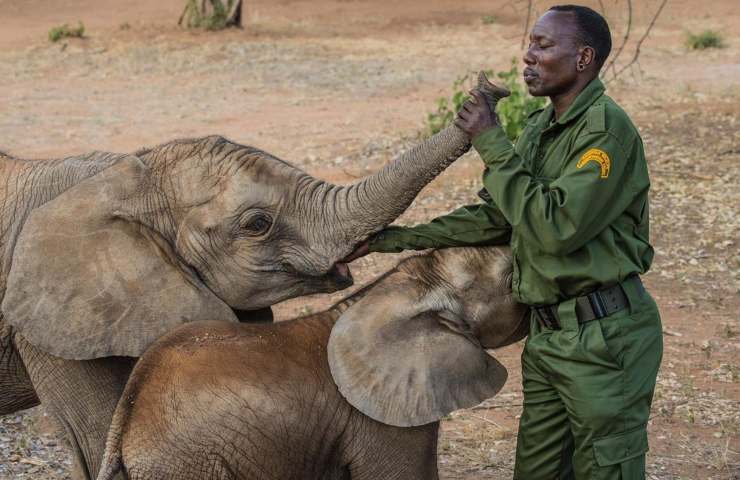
257 225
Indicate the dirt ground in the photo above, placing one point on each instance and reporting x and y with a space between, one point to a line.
338 87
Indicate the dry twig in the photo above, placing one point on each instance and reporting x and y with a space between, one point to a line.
487 421
526 23
625 39
602 7
636 56
492 407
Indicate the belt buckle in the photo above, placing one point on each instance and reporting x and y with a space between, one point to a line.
597 304
547 318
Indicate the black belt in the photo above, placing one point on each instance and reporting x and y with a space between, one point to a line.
598 304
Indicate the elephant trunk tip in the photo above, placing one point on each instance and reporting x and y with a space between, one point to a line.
340 275
111 466
491 92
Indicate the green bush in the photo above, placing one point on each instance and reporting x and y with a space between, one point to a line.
218 19
447 108
704 40
65 31
512 111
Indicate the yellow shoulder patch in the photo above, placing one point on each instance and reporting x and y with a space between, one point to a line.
598 156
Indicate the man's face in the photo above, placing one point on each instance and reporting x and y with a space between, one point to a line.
552 55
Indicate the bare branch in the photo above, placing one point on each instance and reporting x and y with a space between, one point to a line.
626 37
526 23
602 7
642 39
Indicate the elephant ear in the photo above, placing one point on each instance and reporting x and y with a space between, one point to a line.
88 280
399 362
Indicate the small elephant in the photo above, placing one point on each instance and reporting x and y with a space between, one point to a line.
103 253
212 400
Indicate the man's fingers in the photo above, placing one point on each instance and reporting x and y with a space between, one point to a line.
478 96
461 124
473 98
360 251
471 105
481 100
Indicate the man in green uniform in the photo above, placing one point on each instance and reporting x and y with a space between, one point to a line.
571 198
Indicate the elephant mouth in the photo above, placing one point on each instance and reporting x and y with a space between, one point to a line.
337 277
340 275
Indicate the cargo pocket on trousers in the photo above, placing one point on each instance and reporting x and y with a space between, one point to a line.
625 450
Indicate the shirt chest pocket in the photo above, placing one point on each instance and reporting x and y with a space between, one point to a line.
526 148
526 145
550 170
551 157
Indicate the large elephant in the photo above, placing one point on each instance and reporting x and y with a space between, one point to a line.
212 400
103 253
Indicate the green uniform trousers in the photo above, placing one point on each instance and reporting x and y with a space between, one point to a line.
587 393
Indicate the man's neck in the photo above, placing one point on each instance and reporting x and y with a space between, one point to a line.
562 101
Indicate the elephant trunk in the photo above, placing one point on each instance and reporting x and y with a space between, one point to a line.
371 204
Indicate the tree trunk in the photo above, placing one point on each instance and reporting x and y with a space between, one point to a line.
211 14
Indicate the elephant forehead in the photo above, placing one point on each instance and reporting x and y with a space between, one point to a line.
242 190
479 270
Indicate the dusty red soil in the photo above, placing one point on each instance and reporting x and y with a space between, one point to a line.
338 87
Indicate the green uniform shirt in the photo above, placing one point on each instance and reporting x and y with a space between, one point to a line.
571 197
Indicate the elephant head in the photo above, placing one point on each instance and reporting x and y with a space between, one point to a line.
412 349
194 229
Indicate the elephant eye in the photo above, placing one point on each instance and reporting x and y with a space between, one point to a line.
257 225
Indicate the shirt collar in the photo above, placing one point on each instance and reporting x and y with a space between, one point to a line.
585 99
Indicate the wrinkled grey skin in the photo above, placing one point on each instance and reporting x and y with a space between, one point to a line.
103 253
213 400
412 350
192 202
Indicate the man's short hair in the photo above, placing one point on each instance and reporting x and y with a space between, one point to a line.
593 30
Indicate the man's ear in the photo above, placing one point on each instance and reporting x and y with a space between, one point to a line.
586 56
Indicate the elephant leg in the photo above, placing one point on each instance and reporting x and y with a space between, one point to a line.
16 389
395 453
82 395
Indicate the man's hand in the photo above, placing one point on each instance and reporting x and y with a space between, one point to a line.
360 251
475 117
